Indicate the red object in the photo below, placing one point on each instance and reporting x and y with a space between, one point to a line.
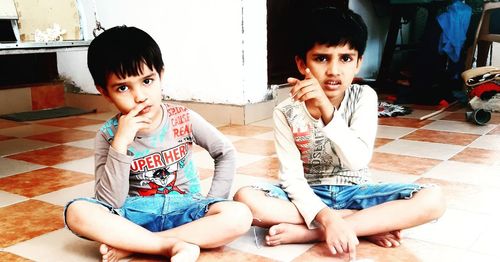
480 89
391 99
443 104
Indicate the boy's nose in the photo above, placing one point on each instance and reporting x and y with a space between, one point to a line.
333 69
140 97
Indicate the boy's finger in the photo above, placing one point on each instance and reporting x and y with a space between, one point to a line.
137 109
308 75
352 252
292 80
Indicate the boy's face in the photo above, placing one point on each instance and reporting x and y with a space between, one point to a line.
333 66
127 93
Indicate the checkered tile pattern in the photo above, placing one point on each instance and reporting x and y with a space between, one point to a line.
44 164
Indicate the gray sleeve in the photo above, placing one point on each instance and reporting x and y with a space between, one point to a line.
221 150
112 171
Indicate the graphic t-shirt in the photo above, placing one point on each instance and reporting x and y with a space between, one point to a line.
162 162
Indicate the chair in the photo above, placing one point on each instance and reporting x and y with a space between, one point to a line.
483 38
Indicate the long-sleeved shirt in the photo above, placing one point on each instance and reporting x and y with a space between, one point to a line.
311 153
161 162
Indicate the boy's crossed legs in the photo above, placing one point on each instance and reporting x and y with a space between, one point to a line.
380 224
223 222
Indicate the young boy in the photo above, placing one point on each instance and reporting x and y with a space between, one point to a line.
324 136
147 188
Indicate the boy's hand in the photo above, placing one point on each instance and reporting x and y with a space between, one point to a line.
128 126
310 89
339 236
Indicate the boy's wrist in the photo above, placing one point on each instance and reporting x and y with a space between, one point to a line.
326 216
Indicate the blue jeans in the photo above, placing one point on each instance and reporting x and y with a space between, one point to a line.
158 212
355 197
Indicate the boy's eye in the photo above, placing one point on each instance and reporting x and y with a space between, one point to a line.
346 58
122 88
321 58
148 81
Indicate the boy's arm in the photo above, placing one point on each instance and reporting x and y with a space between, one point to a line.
292 172
354 144
221 150
111 173
339 236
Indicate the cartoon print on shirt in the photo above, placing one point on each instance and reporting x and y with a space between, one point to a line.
161 181
157 173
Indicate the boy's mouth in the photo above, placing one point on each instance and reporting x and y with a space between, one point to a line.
145 110
332 84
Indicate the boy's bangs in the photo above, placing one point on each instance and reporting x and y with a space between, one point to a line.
130 68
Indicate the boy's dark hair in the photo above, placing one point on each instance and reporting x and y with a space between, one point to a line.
333 27
122 50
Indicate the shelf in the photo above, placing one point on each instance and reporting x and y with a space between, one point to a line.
42 47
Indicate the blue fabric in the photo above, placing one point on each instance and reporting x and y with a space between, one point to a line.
454 23
158 212
354 197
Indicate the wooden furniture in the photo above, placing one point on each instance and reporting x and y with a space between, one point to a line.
483 38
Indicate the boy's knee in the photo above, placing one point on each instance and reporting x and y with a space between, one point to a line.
238 217
434 201
77 211
245 195
242 195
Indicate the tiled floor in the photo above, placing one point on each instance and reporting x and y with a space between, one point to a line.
46 163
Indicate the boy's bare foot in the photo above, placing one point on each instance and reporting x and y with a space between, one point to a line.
289 233
111 254
388 239
184 252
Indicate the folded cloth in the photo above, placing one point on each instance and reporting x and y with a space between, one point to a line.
481 90
387 109
480 75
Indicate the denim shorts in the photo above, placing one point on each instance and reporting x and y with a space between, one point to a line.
158 212
354 197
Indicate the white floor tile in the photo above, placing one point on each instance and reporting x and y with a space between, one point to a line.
84 165
420 149
87 143
91 128
14 146
10 167
487 243
238 182
491 142
266 136
393 132
430 252
459 127
468 173
453 229
7 198
204 160
247 243
63 196
392 177
59 245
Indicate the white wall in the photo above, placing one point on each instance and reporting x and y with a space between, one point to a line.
214 50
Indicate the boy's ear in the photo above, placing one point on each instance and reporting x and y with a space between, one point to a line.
103 92
301 65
